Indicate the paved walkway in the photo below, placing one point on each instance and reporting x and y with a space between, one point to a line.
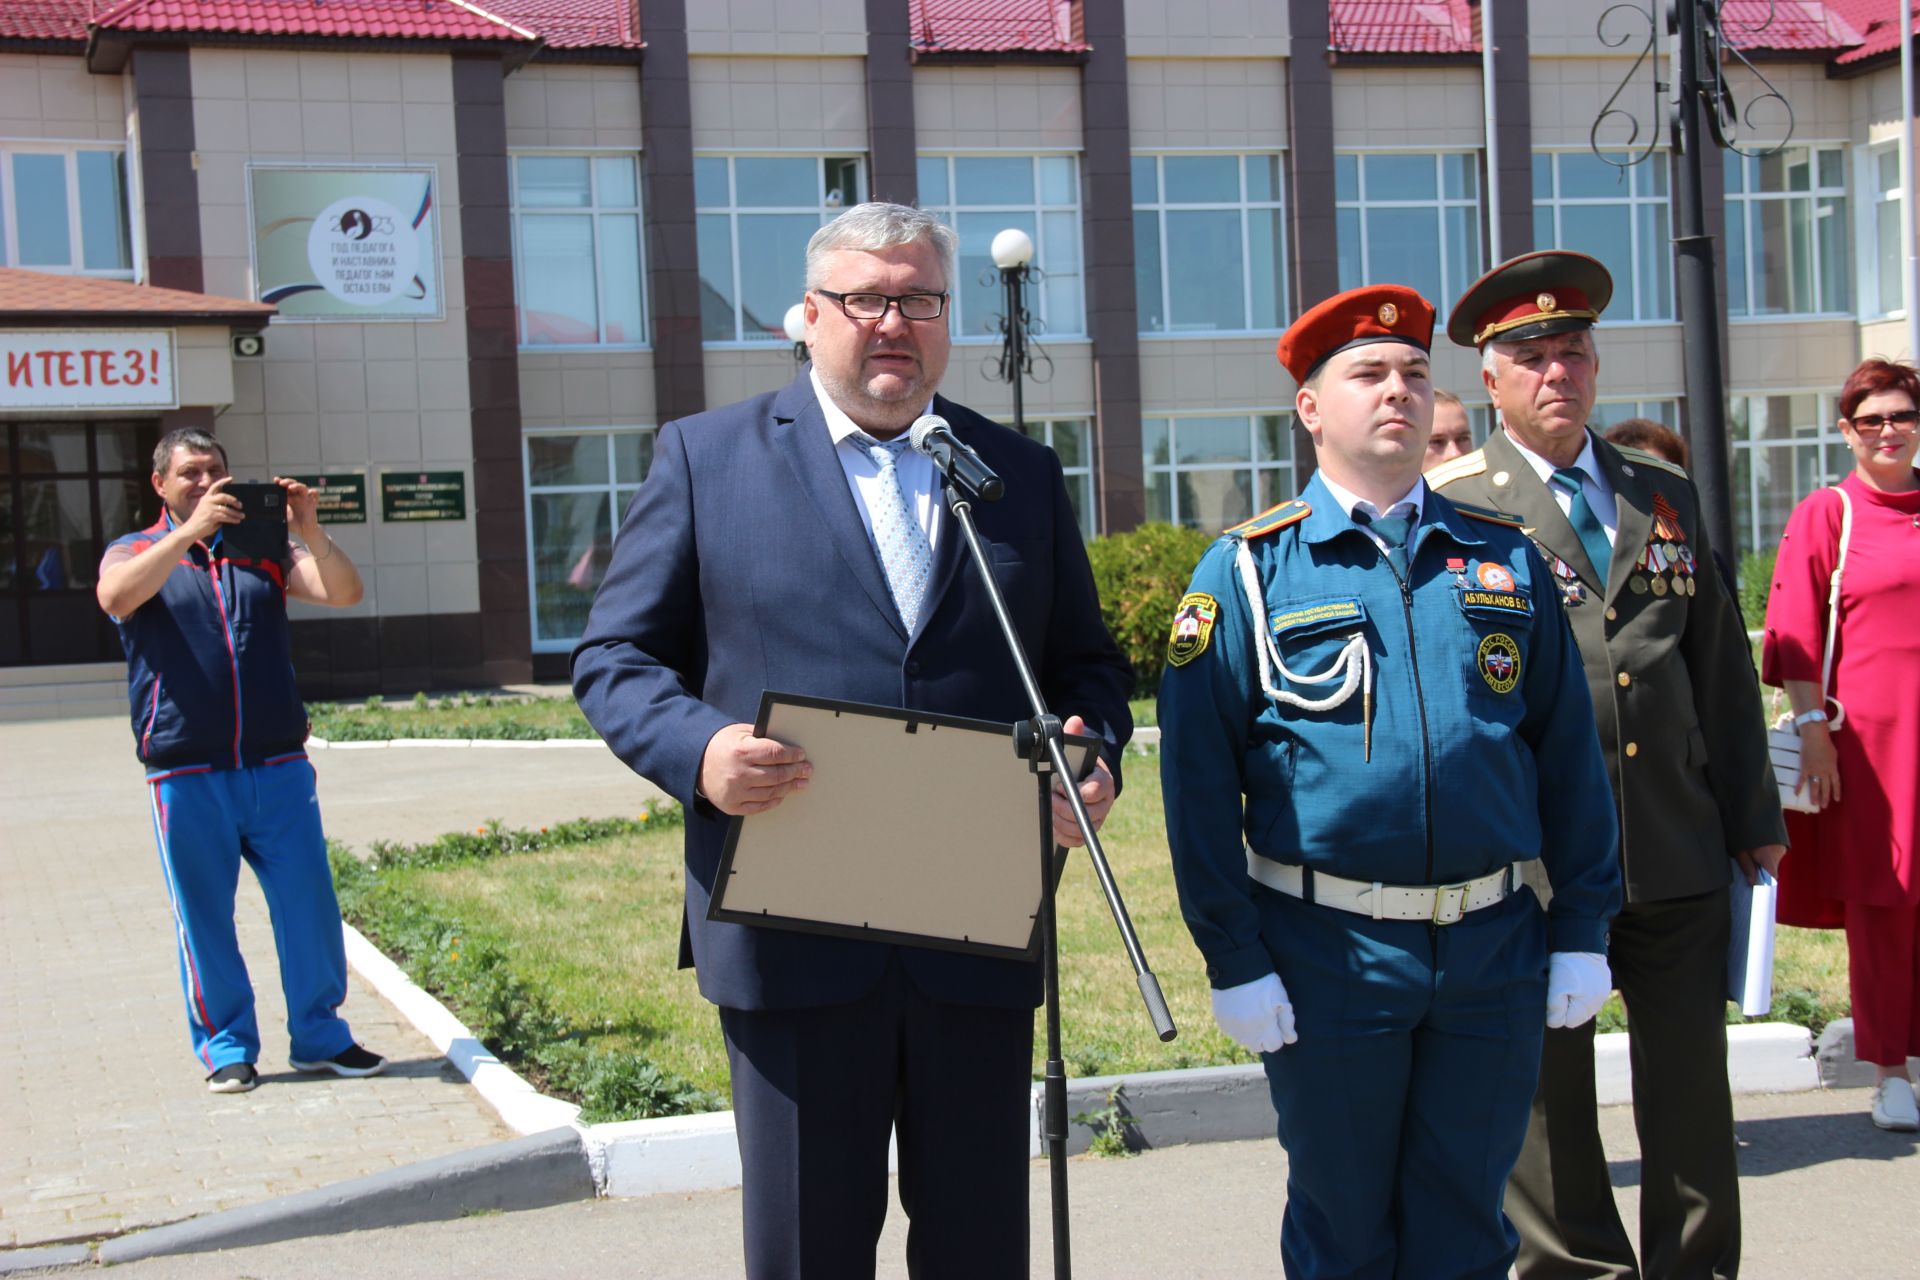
107 1125
1823 1193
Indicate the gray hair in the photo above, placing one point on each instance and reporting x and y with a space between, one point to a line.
192 439
879 225
1505 348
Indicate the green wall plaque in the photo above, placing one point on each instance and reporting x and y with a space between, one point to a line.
343 499
423 495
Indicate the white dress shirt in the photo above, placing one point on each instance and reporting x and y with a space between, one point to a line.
1410 504
914 470
1599 493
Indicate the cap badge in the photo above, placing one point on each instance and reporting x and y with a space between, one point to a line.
1547 302
1389 314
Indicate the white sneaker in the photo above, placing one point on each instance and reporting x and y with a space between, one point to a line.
1893 1106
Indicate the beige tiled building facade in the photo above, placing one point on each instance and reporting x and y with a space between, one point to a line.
609 229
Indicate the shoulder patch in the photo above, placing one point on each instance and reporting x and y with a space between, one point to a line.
1467 464
1272 518
1643 458
1488 514
1192 627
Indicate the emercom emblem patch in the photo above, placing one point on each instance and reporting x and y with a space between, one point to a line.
1500 662
1192 628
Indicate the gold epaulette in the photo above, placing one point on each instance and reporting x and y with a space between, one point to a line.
1467 464
1272 518
1632 454
1488 514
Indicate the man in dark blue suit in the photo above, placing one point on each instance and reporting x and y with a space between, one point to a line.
790 543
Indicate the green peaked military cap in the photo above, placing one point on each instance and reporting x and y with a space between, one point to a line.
1531 296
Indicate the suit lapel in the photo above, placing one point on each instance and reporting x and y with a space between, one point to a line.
1633 495
1517 489
801 436
951 552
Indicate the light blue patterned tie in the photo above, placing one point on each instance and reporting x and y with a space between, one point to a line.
905 555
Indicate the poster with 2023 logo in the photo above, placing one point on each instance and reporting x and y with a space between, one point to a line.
346 244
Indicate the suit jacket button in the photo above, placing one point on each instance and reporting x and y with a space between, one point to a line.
1612 613
913 666
1633 749
1625 679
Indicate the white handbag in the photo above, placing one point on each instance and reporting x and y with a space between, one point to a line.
1783 740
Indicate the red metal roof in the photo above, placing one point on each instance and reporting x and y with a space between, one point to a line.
997 26
42 293
44 19
363 19
577 24
1787 24
1404 26
1878 25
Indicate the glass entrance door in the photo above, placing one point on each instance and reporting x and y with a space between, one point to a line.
67 489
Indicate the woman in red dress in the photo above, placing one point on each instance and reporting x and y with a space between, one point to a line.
1857 861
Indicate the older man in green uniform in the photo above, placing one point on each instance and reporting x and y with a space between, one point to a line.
1678 712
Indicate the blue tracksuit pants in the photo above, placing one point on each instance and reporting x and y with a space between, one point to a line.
207 823
1404 1103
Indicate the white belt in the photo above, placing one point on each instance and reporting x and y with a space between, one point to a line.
1438 904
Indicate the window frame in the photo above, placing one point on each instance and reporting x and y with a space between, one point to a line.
1161 207
1439 205
76 242
1633 202
1037 300
1173 468
611 490
1087 471
1866 224
1826 409
732 211
591 212
1745 200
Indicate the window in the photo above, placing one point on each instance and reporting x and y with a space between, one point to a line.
981 196
1884 260
1072 439
1617 215
1784 447
65 210
1411 219
1609 412
576 228
1787 233
578 486
1208 243
1213 472
756 214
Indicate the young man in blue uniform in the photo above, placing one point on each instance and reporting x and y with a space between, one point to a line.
220 728
1365 690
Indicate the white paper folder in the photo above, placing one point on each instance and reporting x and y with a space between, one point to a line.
1750 949
914 828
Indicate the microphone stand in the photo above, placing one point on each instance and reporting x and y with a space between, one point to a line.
1039 741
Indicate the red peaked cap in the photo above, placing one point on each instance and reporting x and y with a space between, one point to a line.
1373 313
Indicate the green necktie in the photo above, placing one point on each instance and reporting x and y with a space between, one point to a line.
1573 481
1393 531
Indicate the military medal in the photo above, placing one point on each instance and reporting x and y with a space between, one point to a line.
1658 586
1458 568
1638 582
1573 593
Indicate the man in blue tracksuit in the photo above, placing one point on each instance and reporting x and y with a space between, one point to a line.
220 728
1373 712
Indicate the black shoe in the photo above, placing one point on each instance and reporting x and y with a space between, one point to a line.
350 1061
235 1077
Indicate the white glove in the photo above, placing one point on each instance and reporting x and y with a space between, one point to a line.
1256 1015
1578 983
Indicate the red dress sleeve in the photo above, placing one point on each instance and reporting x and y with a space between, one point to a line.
1797 605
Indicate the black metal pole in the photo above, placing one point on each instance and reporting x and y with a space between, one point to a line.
1699 298
1015 278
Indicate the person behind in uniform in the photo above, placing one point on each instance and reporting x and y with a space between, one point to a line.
1856 861
1677 705
794 542
1452 437
1377 720
1652 437
221 731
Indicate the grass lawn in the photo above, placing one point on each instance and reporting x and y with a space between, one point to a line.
593 928
460 715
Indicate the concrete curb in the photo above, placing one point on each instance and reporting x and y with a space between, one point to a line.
20 1262
1838 1067
382 744
526 1173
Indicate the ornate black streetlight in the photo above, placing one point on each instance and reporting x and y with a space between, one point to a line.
1012 253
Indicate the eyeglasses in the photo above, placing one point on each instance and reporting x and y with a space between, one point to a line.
872 306
1905 420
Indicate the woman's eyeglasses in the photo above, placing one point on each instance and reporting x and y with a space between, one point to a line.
1904 420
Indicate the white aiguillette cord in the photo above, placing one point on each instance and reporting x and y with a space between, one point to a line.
1353 666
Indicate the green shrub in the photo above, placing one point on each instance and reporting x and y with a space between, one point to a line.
1756 580
1141 575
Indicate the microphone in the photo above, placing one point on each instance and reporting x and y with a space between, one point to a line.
931 435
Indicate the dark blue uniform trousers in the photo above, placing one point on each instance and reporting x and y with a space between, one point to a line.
816 1093
1404 1103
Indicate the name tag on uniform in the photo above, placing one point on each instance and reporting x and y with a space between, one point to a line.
1318 614
1507 601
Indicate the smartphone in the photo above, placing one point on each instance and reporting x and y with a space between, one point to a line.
262 533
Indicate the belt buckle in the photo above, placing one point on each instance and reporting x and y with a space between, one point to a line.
1448 910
